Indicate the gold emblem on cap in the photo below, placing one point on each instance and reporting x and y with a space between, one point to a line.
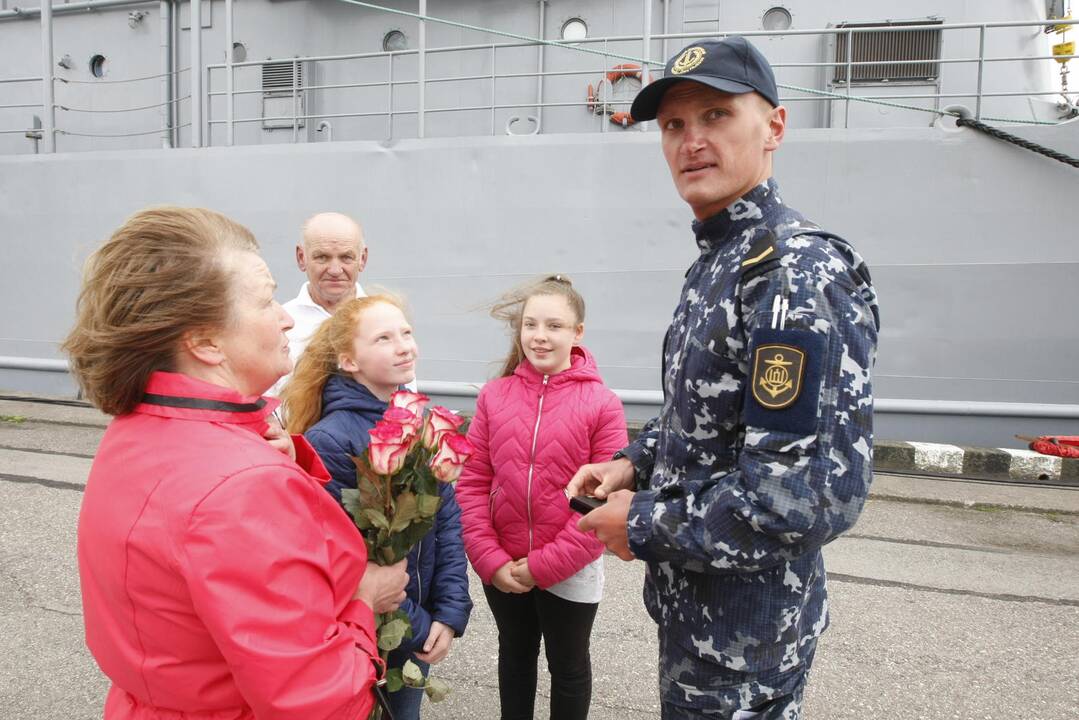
688 60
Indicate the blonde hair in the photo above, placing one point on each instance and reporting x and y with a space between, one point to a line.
510 309
163 273
301 398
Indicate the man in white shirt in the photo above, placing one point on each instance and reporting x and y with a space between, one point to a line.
332 254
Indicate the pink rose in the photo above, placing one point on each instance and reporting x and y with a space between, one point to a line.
407 419
413 402
452 453
439 422
388 447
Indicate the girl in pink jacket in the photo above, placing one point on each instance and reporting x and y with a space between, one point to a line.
548 414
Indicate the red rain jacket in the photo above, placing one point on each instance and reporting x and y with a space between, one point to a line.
217 575
531 433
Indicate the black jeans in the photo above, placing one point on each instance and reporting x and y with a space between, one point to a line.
566 628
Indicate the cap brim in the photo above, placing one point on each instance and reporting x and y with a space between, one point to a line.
646 104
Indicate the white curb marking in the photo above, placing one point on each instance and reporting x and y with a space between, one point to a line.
1027 464
938 457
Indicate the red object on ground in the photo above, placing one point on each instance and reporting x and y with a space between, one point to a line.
1062 445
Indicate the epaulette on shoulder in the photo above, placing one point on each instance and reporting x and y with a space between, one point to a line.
763 256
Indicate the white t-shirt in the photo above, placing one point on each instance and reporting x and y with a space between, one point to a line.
307 316
586 586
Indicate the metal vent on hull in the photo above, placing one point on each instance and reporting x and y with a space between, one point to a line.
277 76
279 106
900 46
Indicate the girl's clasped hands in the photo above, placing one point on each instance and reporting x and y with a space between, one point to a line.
514 577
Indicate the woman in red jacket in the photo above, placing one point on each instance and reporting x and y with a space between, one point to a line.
219 580
546 416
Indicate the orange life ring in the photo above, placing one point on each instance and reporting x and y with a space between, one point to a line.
618 72
625 70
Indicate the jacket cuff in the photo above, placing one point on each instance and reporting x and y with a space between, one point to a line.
454 623
538 568
360 617
420 619
641 459
308 459
361 620
489 565
639 523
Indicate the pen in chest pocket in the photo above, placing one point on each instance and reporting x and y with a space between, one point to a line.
780 305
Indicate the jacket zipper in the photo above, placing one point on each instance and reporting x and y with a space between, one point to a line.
532 458
419 575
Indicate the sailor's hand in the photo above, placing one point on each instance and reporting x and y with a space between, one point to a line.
602 479
609 523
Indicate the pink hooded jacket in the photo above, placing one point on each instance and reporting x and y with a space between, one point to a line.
531 433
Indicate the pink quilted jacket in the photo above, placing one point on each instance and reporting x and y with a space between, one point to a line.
531 433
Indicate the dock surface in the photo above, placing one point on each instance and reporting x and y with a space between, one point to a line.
950 599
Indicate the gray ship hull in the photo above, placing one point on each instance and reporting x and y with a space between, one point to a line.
969 240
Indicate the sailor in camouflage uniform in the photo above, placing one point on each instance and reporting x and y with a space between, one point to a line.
762 452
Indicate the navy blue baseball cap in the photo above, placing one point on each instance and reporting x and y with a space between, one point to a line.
730 65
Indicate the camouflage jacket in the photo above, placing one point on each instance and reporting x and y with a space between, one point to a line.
762 452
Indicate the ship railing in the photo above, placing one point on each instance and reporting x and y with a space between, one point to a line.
608 56
413 87
32 133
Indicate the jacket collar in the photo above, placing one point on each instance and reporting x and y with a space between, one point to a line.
183 397
759 203
582 369
344 393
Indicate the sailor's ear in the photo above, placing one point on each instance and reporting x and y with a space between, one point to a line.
777 127
301 258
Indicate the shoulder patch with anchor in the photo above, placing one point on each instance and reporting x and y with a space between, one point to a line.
783 389
778 371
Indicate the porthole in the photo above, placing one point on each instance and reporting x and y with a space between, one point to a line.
394 41
239 52
574 29
97 66
777 18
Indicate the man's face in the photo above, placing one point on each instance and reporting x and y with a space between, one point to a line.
332 258
717 145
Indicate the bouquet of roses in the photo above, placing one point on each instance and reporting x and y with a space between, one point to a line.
396 500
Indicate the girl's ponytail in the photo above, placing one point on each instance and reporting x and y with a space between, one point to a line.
511 306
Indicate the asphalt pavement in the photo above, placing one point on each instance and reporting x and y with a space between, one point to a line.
949 599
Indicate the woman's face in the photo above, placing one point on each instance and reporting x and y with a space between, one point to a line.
549 330
384 352
253 343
